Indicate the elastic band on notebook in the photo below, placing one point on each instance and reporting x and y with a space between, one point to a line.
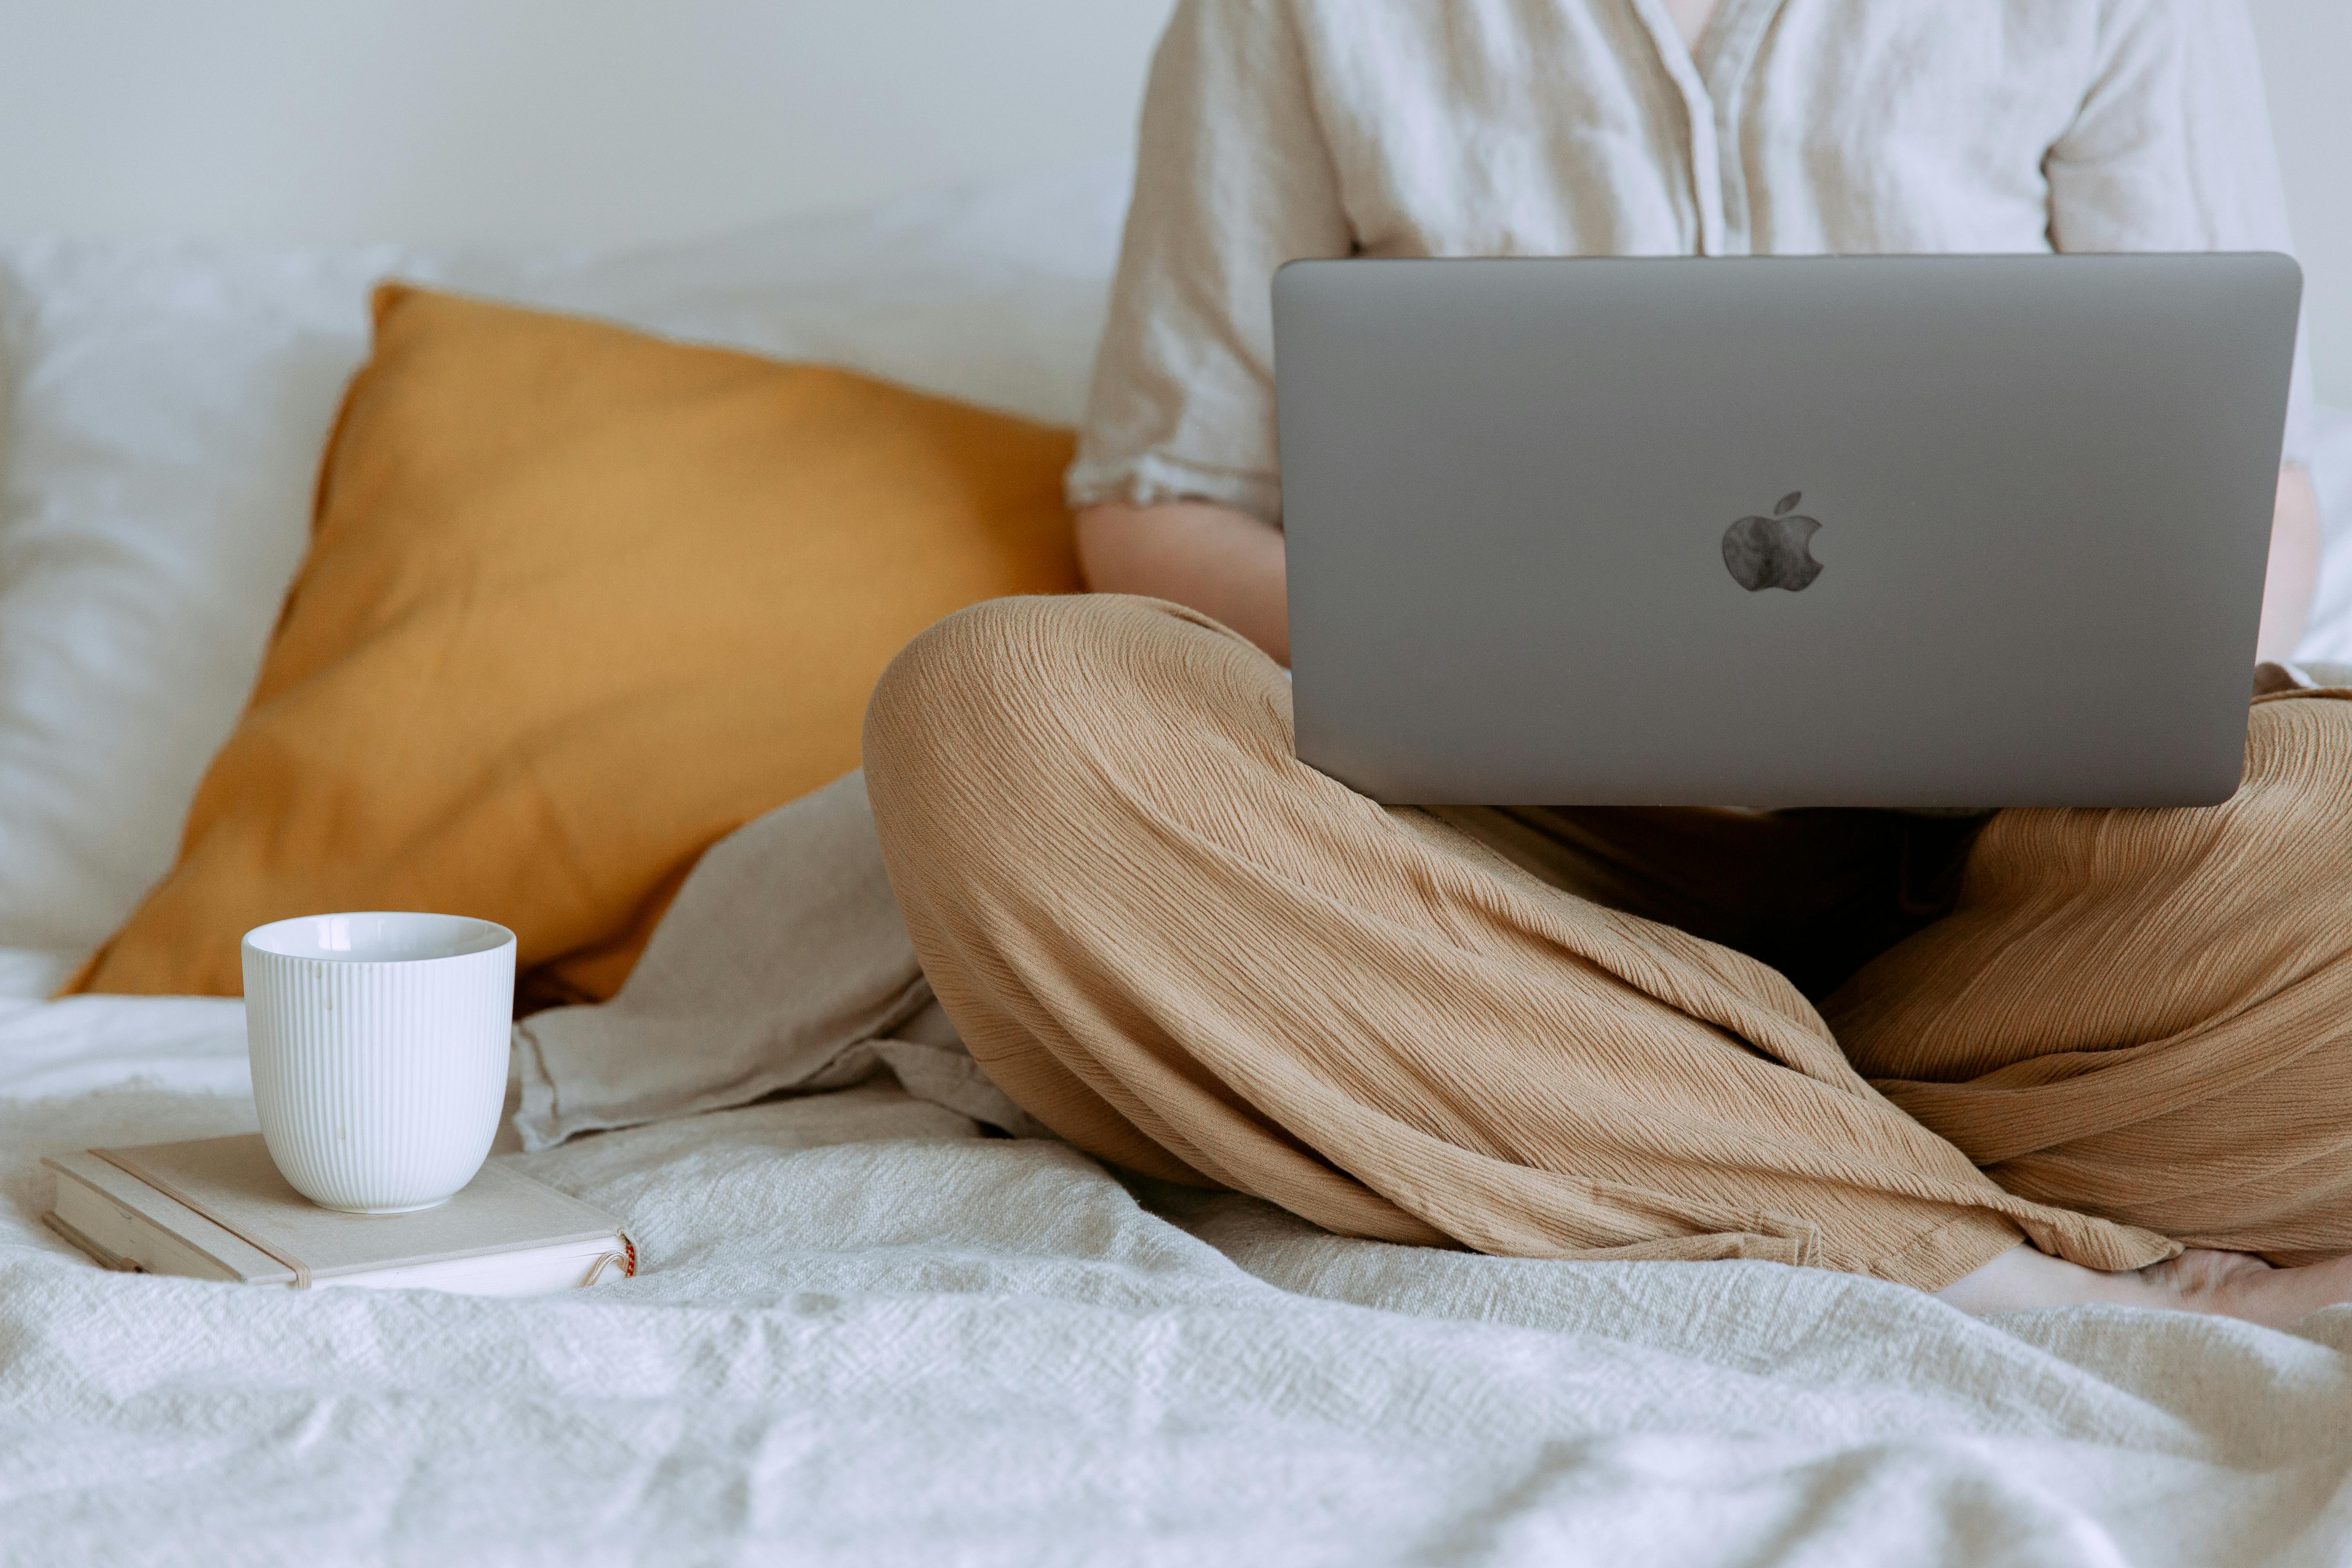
130 1168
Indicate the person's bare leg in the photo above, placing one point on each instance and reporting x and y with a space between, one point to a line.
2224 1284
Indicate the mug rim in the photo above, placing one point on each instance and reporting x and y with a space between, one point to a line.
470 936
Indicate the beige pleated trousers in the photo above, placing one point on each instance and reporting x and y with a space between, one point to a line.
1193 956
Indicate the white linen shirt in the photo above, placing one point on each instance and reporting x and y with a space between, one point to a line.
1275 129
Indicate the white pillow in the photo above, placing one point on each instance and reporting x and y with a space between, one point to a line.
167 406
164 408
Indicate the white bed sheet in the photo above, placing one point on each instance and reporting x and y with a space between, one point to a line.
864 1334
188 1044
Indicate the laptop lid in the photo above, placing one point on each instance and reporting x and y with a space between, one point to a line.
1893 531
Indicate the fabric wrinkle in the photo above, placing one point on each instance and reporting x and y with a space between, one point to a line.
1178 947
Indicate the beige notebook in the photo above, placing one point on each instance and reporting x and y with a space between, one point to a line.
217 1209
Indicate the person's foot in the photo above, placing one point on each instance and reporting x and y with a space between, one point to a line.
2240 1285
2223 1284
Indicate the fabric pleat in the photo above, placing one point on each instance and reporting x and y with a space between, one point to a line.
1193 956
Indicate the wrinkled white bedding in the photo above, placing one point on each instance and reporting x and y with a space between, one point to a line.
52 1049
865 1334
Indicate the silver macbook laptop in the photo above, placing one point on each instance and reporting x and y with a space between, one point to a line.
1899 531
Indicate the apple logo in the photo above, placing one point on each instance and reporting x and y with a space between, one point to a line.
1775 551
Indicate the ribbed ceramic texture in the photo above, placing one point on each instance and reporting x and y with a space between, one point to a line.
379 1084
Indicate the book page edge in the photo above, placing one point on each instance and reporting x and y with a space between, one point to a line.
167 1213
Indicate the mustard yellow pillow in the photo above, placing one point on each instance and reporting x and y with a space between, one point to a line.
579 602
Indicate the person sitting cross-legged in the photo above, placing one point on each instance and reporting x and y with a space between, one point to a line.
2111 1062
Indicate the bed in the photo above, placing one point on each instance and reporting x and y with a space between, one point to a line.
864 1331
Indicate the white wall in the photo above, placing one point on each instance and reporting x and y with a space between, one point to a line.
530 120
602 121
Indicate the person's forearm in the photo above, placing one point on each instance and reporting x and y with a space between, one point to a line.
1229 566
2294 566
1224 563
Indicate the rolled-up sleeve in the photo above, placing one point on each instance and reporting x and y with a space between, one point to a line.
1233 178
2173 150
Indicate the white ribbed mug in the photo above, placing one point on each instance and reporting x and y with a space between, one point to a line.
379 1045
